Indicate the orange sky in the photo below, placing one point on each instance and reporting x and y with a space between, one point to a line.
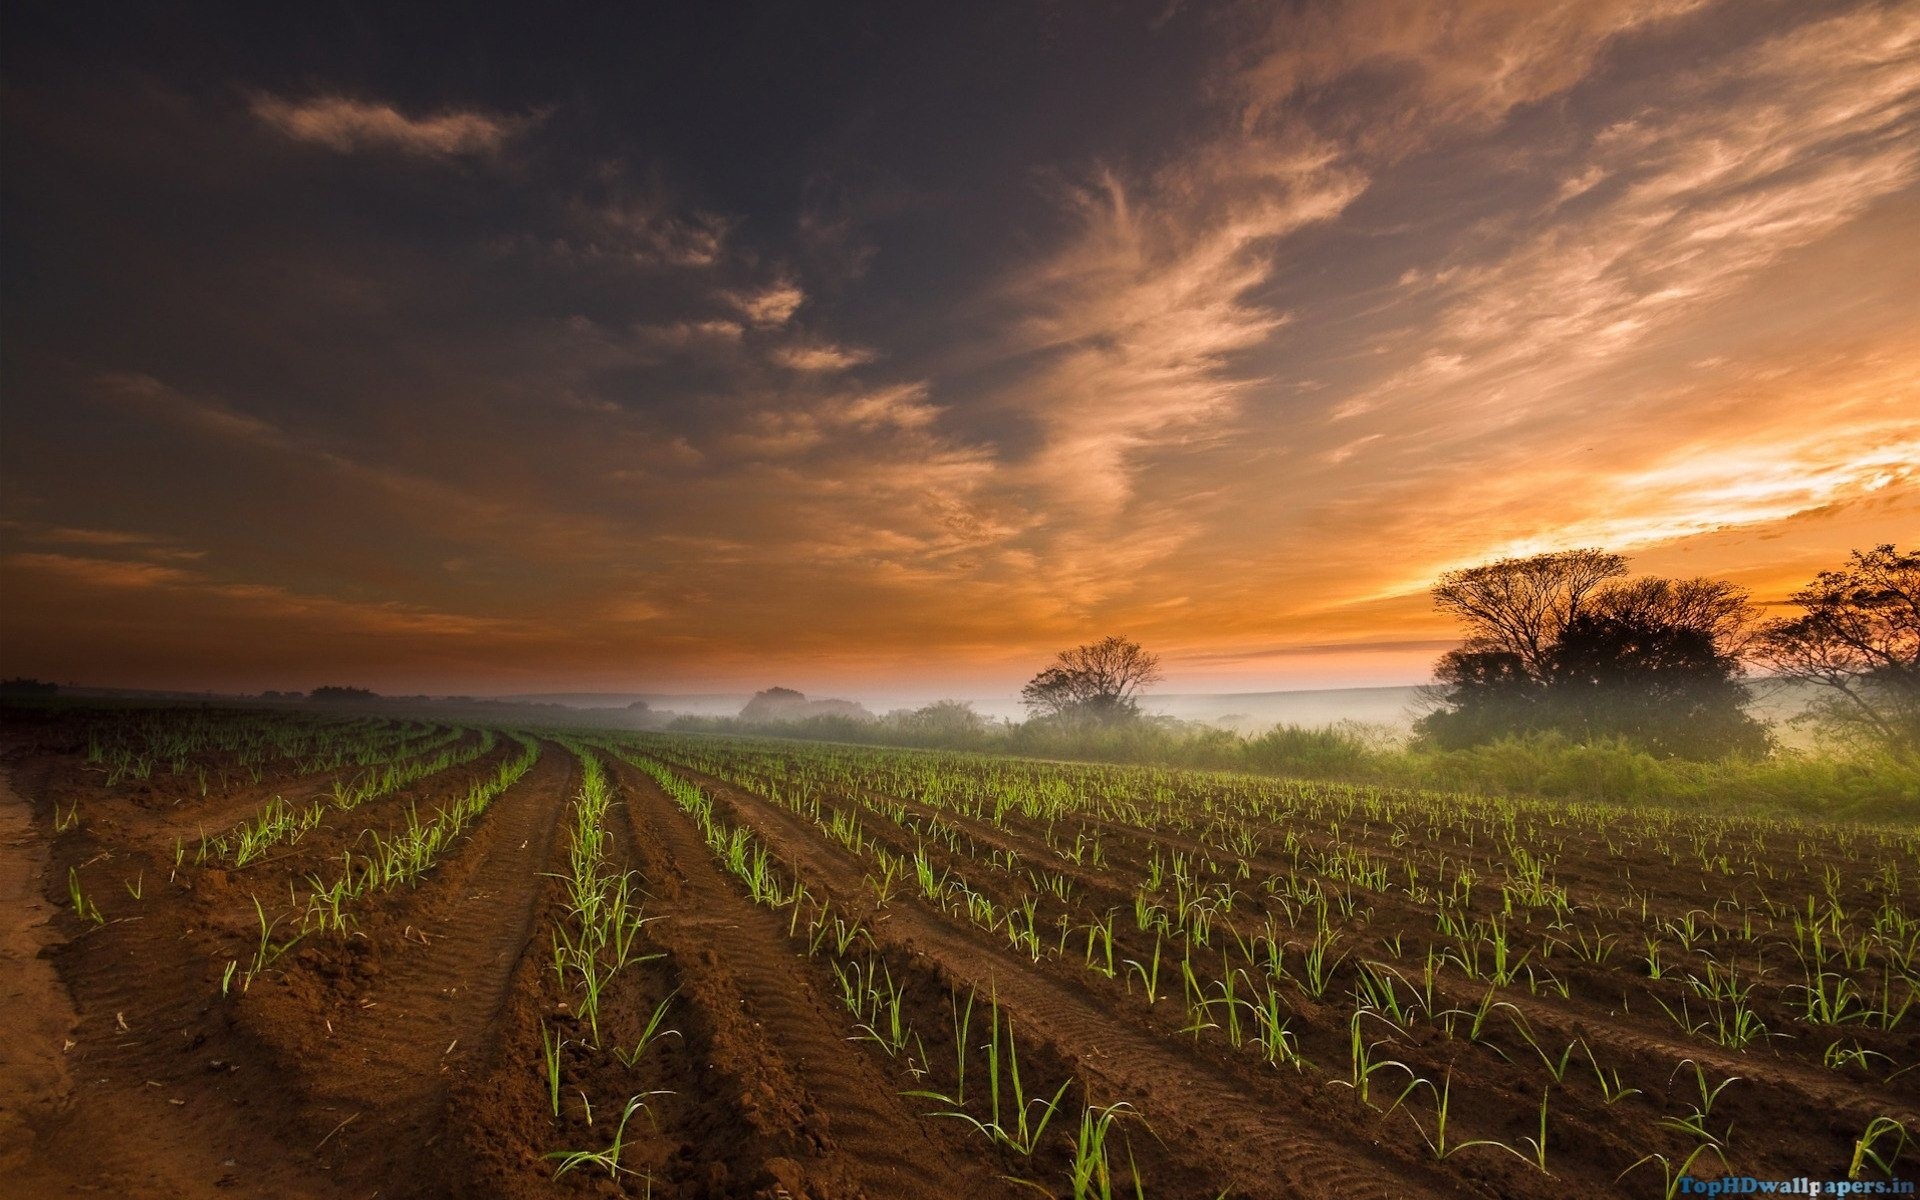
399 390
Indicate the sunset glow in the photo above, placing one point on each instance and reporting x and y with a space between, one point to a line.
893 348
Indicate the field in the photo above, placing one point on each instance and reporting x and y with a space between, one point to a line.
307 955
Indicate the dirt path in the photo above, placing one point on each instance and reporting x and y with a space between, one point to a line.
157 1103
408 1056
34 1083
175 1089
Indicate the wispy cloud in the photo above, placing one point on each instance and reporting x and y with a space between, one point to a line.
104 572
1647 486
1138 320
821 357
1747 162
258 600
148 545
771 305
640 229
1425 65
1554 317
1145 315
1400 286
345 124
417 498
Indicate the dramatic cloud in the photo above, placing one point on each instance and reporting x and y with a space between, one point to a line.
1744 164
1225 328
1139 319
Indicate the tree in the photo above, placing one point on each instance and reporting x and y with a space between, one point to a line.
1715 607
774 704
1099 682
1859 639
1496 683
1560 642
1479 695
1658 679
1517 606
780 705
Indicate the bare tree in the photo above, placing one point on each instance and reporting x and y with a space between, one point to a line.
1099 681
1714 607
1859 638
1518 606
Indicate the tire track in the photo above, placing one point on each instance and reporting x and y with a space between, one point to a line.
394 1060
876 1146
160 1103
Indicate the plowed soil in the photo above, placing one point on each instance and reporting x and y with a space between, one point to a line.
409 1057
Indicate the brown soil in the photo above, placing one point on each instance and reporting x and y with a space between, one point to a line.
405 1059
33 1058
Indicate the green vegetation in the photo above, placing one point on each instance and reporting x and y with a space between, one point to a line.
1858 640
409 853
1862 785
605 908
1468 966
1434 927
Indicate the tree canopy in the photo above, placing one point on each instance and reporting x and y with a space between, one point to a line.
1098 682
1516 606
1858 639
1561 642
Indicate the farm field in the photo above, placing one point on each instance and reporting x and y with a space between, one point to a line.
330 956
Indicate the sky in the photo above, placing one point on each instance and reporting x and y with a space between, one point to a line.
897 346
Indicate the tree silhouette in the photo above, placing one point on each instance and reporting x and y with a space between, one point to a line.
1516 606
1859 639
1098 682
1560 642
336 694
1656 680
1480 695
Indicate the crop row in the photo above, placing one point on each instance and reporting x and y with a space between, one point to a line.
136 743
977 1082
280 822
389 861
1285 943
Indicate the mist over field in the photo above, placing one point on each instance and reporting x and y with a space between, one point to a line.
1393 707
